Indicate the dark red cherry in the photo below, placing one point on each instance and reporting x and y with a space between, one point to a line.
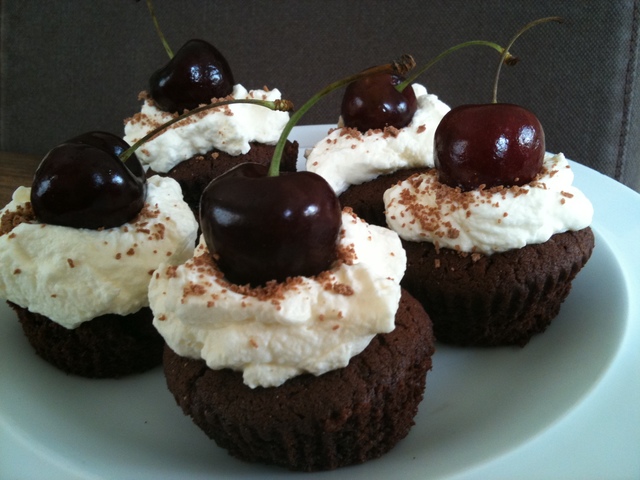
491 144
84 186
197 73
270 228
114 144
373 102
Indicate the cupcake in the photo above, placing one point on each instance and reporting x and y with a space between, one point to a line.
357 164
202 147
492 266
81 294
311 373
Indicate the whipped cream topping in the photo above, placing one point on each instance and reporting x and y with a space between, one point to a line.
72 275
229 129
285 329
421 209
348 157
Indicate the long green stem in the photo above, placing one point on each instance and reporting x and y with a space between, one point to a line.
506 58
157 25
279 105
511 42
401 67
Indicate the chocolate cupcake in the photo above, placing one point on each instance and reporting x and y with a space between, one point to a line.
342 417
492 266
323 371
499 299
206 145
81 294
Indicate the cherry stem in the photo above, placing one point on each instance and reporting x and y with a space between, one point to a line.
157 25
280 105
512 41
400 67
506 58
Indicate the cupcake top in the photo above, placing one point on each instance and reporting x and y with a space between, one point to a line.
72 275
230 129
421 209
348 157
273 333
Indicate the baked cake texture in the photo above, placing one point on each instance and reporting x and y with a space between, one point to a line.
309 423
109 346
499 299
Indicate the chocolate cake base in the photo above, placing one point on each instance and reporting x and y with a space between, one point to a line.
108 346
366 199
195 173
500 299
310 423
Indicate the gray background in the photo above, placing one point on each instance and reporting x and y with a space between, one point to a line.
72 66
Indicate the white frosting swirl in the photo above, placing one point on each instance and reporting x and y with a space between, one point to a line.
72 275
488 221
305 325
229 129
347 157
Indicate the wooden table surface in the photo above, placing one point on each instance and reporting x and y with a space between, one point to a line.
16 169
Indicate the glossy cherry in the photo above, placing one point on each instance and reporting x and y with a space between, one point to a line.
489 144
270 227
373 103
114 144
197 73
81 185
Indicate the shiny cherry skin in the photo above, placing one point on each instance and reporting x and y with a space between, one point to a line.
83 186
114 144
197 73
495 144
373 102
270 228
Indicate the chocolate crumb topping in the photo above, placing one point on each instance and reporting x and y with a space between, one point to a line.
11 219
447 200
342 289
206 265
390 131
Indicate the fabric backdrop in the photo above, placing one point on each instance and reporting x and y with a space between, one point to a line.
67 67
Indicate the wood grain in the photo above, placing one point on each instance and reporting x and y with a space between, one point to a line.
16 169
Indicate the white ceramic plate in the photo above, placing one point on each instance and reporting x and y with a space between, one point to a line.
565 406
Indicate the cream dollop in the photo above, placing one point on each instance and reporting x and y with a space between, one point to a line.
347 157
229 129
303 325
72 275
492 220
